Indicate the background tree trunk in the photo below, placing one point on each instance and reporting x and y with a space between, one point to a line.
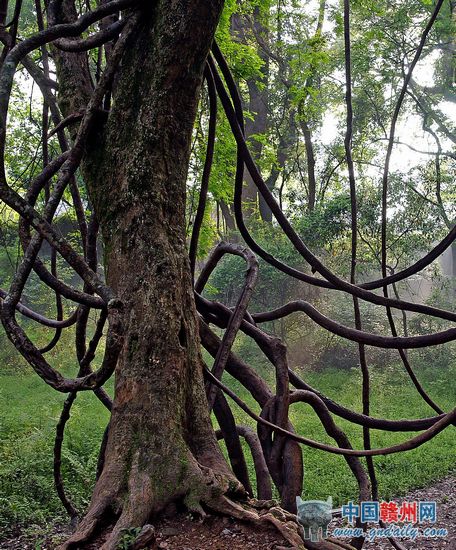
453 267
257 105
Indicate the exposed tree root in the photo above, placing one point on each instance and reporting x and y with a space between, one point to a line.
86 528
262 513
203 490
145 538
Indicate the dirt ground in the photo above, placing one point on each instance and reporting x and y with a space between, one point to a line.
215 533
444 494
182 533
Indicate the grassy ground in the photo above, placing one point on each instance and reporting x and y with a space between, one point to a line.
29 410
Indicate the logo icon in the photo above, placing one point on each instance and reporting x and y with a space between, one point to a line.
314 515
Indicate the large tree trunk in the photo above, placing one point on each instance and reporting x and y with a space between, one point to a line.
161 446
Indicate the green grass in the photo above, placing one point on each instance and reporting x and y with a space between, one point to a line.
29 410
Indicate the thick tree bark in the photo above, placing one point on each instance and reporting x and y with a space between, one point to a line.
161 446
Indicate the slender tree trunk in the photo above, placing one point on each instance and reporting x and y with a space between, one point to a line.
258 125
161 446
228 217
3 11
453 267
257 105
312 183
